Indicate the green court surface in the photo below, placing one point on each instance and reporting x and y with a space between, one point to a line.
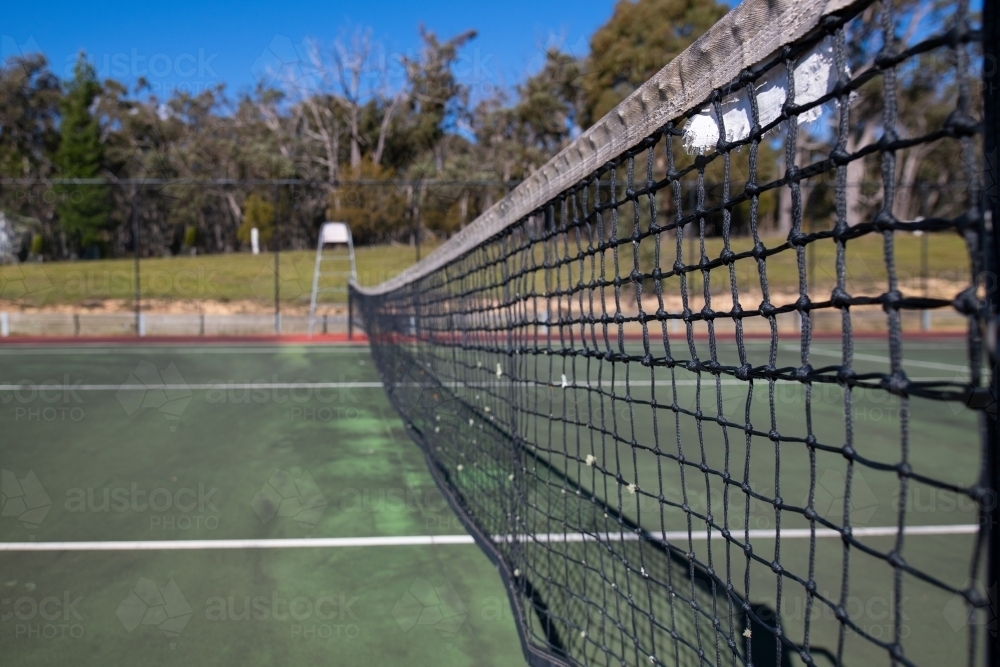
83 460
267 442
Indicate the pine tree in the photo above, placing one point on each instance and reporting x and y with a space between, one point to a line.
83 210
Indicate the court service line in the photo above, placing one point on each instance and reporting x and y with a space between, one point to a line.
433 540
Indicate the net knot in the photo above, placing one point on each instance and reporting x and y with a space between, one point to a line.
768 310
647 360
896 384
891 300
840 157
776 567
743 372
707 314
904 470
759 251
802 373
884 221
797 238
959 124
840 298
845 376
693 365
752 189
635 276
966 302
888 138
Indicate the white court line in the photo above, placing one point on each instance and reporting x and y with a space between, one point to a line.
337 348
707 383
756 534
182 387
432 540
885 360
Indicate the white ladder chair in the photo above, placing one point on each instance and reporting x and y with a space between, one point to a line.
335 234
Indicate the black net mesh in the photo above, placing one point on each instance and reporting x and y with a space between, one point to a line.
658 416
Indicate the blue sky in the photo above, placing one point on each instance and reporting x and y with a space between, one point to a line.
186 45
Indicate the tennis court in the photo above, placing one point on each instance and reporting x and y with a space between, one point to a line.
610 421
132 445
312 451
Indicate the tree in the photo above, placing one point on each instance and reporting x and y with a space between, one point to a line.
83 210
29 109
374 213
638 40
259 213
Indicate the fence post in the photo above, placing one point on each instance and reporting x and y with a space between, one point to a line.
277 265
135 244
350 314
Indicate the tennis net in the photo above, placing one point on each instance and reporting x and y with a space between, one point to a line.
657 417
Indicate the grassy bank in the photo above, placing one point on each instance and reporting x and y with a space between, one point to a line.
246 282
234 278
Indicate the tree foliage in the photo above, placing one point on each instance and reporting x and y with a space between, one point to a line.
641 37
405 147
83 210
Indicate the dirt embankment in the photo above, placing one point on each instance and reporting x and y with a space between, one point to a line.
170 307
